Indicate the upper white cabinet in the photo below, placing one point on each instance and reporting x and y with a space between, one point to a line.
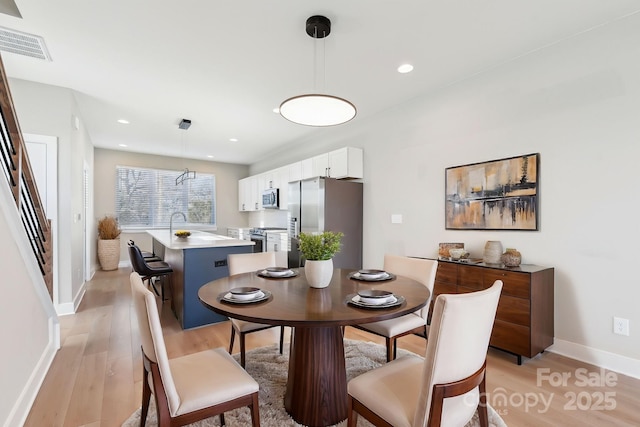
295 172
248 199
343 163
346 162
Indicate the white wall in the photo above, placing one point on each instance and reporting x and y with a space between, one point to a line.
577 103
50 110
30 330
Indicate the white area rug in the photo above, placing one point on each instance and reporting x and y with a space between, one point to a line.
269 368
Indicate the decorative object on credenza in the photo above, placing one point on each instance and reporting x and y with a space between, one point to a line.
495 195
443 249
511 257
492 252
458 254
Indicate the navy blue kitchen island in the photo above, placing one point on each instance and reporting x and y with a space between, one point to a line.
196 260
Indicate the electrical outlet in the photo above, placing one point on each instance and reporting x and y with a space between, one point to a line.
220 263
621 326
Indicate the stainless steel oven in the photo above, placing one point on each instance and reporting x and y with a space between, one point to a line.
259 236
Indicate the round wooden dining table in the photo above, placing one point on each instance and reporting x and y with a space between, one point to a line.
316 392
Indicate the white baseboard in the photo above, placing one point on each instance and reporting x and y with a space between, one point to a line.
614 362
71 307
20 410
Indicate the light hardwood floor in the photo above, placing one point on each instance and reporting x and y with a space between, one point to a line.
95 379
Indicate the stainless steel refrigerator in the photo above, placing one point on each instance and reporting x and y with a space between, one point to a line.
326 204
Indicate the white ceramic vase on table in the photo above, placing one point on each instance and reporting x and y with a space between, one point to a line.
318 273
492 252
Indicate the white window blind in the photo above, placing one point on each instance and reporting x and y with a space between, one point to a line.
146 198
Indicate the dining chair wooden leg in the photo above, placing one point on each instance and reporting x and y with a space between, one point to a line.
255 412
281 338
483 414
146 396
242 348
222 421
390 343
352 416
231 341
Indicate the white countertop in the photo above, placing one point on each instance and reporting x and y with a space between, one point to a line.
198 239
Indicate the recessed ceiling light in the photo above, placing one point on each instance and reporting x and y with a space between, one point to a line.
210 156
233 139
123 121
122 145
405 68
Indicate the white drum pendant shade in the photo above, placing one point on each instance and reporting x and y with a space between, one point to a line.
317 110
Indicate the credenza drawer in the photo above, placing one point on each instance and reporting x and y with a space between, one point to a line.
447 273
443 288
514 310
470 277
511 337
514 284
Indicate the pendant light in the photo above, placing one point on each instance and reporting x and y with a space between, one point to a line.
318 109
186 173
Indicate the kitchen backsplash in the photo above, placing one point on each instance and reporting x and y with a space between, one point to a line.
269 218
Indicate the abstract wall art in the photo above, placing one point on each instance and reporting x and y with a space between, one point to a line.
495 195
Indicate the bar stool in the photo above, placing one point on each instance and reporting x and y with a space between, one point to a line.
149 270
148 256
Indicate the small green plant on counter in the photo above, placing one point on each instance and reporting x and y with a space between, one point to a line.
108 228
321 246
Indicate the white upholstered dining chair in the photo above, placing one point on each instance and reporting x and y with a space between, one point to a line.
448 385
245 263
422 270
192 387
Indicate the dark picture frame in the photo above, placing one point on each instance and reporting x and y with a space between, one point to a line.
495 195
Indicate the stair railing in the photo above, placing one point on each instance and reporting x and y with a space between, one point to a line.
19 176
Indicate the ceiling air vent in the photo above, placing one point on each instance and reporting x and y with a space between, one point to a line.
23 44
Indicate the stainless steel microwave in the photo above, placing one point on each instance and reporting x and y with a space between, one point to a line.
271 199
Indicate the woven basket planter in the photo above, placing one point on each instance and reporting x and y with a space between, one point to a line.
109 253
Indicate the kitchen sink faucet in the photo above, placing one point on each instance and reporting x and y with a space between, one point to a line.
171 221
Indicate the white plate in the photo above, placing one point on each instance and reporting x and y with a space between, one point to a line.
280 275
277 272
261 296
371 277
244 297
374 301
355 300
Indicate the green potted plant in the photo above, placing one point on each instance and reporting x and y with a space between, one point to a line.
109 242
318 250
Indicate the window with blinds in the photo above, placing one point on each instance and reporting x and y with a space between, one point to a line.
146 198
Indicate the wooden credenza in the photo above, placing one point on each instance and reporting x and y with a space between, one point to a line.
524 320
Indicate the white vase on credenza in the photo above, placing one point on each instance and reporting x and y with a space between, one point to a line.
492 252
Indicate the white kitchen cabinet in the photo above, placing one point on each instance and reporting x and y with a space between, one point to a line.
278 242
345 162
321 165
307 168
248 196
342 163
281 178
295 172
